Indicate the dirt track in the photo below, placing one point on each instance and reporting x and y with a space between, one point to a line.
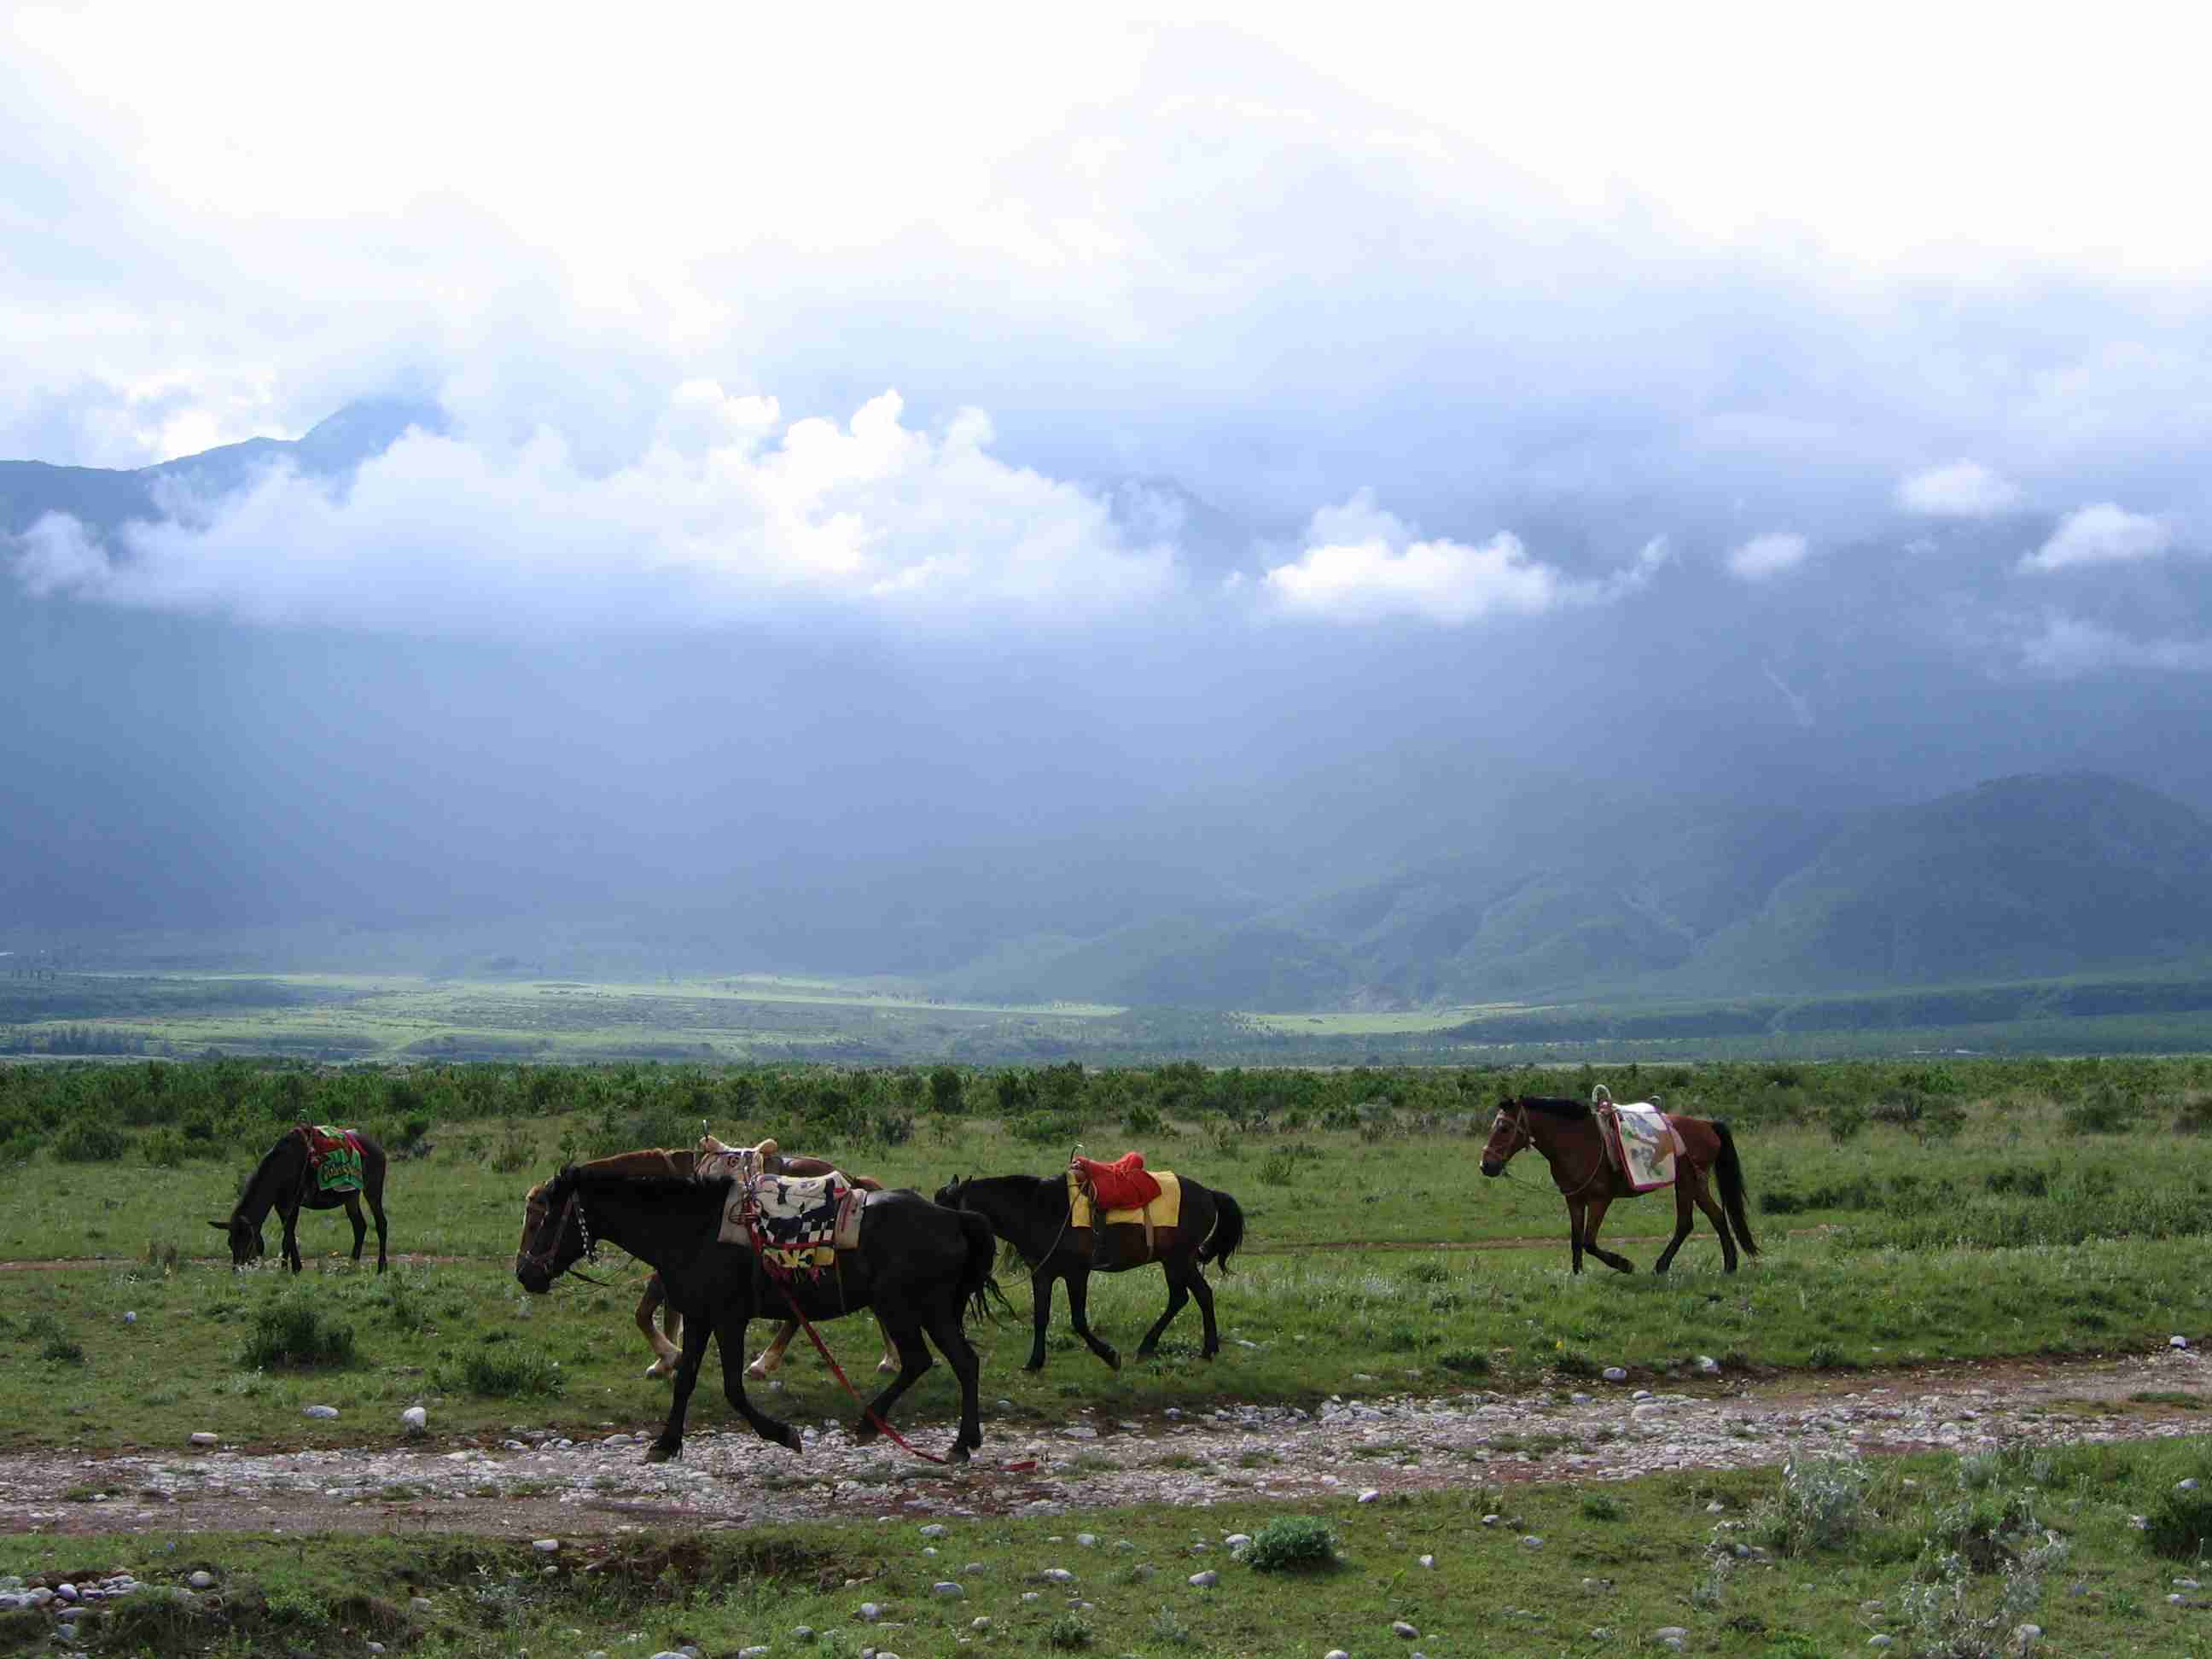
536 1485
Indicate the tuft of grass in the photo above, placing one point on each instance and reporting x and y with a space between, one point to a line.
1293 1543
1465 1362
1602 1506
2180 1524
1821 1506
1068 1633
508 1374
294 1333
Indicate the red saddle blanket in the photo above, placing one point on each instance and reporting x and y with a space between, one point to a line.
1120 1185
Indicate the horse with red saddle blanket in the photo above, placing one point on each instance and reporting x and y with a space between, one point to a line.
1107 1217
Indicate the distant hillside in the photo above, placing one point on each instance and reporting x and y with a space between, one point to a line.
2022 879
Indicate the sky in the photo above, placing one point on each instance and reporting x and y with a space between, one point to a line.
1150 416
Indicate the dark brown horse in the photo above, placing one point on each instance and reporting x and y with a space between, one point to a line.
1030 1214
284 1181
1566 1133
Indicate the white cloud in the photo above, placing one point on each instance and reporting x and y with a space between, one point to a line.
1362 563
2102 534
2068 647
727 514
1961 490
1769 555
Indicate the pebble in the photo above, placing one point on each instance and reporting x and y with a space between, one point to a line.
545 1545
1405 1632
322 1413
203 1439
934 1529
946 1590
2177 1341
1532 1542
979 1624
1057 1576
1881 1641
1205 1580
1336 1653
202 1581
869 1612
2189 1485
1615 1374
1429 1561
1371 1494
1087 1539
415 1419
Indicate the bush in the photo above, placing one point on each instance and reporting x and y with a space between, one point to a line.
1068 1632
87 1140
1820 1506
1293 1543
2180 1524
164 1149
1845 1119
1602 1506
1045 1128
53 1339
294 1332
1142 1118
1465 1362
946 1088
509 1374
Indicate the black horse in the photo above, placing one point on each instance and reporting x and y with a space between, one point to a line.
1030 1213
284 1181
919 1267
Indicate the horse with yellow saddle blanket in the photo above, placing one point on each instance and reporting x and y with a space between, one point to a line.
1055 1224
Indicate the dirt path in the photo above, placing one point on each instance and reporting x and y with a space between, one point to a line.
537 1485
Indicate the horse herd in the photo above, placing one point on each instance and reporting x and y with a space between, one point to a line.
923 1264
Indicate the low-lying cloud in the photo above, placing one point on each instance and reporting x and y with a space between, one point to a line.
2062 647
1961 490
1362 563
1768 555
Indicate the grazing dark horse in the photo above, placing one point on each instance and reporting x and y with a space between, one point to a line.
919 1267
1030 1213
284 1181
1566 1133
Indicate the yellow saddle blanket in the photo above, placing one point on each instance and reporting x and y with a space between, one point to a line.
1165 1211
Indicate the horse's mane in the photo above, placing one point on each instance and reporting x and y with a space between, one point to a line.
1570 1109
1046 1194
249 1188
670 1189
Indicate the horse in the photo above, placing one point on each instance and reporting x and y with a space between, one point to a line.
1567 1134
285 1180
1030 1214
666 1341
917 1265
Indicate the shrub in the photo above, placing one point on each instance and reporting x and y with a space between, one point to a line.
1278 1168
1293 1543
1602 1506
1822 1505
514 1154
1045 1128
2179 1525
87 1140
2106 1112
508 1375
55 1343
1140 1117
1166 1627
164 1149
1068 1632
1465 1362
1845 1119
946 1088
294 1332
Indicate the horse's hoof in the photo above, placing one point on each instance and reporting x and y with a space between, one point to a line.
758 1372
659 1368
1113 1359
959 1451
1034 1365
886 1367
659 1454
791 1440
865 1432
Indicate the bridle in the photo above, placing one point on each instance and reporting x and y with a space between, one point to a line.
542 1260
1524 1135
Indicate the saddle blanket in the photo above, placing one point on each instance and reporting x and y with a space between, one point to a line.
1643 1145
334 1156
1121 1185
802 1221
1165 1211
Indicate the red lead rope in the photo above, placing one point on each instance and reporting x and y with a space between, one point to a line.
783 1279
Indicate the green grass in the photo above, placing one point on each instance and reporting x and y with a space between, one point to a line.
1656 1557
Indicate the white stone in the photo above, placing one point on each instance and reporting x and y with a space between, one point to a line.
869 1612
979 1624
203 1439
2177 1341
1666 1631
1615 1374
1371 1494
202 1581
545 1545
1429 1561
1057 1576
1087 1539
1205 1580
1405 1632
1532 1542
934 1529
1881 1641
415 1419
131 1319
1336 1653
1708 1366
946 1590
324 1412
2189 1485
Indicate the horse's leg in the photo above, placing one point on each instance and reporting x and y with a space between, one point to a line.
1078 1314
890 1362
670 1443
772 1356
360 1226
1177 1295
945 1329
1575 1207
1683 1219
913 1361
1702 1192
291 1247
1194 1275
376 1209
732 1326
1040 1313
1595 1212
666 1352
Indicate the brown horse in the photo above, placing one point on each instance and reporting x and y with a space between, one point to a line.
681 1164
1567 1134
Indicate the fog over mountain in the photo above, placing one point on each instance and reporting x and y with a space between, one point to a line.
1038 515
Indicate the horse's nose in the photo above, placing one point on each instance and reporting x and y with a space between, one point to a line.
533 1279
1490 1166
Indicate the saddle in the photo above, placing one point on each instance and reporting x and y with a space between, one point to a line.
792 1222
1124 1192
1640 1141
333 1155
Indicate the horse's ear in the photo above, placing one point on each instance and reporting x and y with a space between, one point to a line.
220 1226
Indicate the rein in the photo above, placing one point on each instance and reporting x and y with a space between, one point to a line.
542 1260
1521 1123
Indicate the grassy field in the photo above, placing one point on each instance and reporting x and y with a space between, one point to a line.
1377 1024
1945 1556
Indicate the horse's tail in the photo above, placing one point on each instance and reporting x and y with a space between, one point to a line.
977 1285
1228 1231
1729 1167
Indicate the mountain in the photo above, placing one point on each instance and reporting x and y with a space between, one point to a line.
104 498
2020 878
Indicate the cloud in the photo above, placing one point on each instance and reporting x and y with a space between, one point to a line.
2070 648
1362 563
727 513
2102 534
1961 490
1769 555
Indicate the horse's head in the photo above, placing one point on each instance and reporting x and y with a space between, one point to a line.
244 1240
552 1233
1508 1135
953 1195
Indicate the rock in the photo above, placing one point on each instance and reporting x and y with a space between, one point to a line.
2189 1485
1532 1542
1205 1580
1708 1367
1371 1494
1580 1399
1405 1632
1881 1641
545 1545
1642 1393
946 1590
415 1419
2025 1636
1488 1519
758 1651
979 1624
1615 1374
2177 1341
802 1632
131 1319
1336 1653
1057 1576
66 1592
323 1413
1429 1561
203 1438
1030 1595
1665 1630
934 1529
1087 1539
202 1581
